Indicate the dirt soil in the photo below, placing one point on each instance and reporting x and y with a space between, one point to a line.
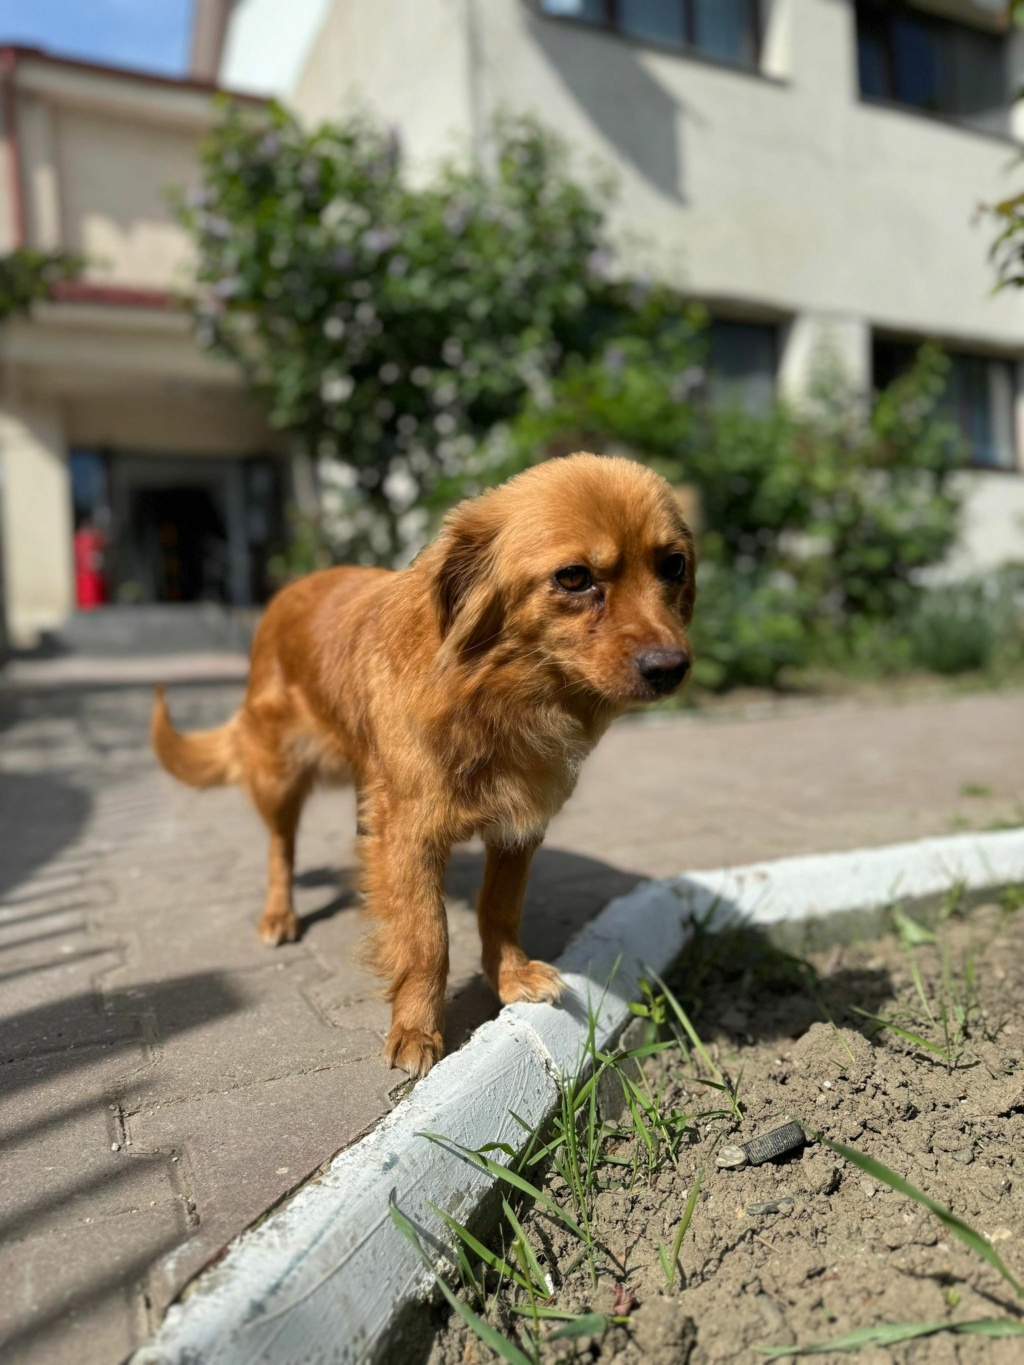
842 1252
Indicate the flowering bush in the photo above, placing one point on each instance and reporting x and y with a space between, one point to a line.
422 341
389 325
814 520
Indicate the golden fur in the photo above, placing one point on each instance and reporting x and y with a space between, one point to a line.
461 695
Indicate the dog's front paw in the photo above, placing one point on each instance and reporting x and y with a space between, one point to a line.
279 928
413 1049
532 981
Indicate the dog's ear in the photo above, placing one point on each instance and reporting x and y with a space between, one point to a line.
466 596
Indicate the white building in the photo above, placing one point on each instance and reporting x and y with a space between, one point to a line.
811 169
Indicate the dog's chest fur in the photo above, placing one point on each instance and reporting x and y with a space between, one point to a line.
517 779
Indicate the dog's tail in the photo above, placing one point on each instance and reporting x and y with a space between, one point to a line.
203 758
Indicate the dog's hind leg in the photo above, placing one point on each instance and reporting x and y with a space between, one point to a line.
404 885
499 910
279 797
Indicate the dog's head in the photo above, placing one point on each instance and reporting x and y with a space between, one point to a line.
581 571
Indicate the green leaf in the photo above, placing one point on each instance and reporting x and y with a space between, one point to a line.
970 1237
489 1258
914 1038
691 1204
540 1284
891 1334
911 933
499 1172
503 1348
586 1325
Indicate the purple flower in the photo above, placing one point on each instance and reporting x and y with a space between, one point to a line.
269 147
455 219
377 240
228 287
215 226
599 261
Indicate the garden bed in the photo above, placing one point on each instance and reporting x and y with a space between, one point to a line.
807 1248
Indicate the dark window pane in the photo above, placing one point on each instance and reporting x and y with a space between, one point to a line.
658 21
726 29
587 11
921 57
873 54
980 394
980 398
742 366
931 63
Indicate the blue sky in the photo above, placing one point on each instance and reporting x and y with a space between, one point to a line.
151 34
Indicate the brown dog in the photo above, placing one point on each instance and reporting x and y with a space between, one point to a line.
461 695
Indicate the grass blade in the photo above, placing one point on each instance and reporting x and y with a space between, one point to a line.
691 1032
966 1234
912 934
586 1325
541 1286
501 1346
914 1038
491 1259
499 1172
691 1204
892 1333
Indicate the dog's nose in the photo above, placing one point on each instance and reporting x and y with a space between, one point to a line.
663 668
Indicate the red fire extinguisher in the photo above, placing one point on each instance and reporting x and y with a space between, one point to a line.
90 577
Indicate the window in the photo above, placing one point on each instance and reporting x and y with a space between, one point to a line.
980 394
742 365
912 58
725 30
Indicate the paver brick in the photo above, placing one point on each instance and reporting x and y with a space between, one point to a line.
132 975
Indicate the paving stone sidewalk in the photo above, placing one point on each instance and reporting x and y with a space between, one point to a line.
164 1078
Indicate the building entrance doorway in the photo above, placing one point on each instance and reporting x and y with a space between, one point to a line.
179 545
179 528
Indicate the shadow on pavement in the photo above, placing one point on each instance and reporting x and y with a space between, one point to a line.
39 816
45 1053
565 892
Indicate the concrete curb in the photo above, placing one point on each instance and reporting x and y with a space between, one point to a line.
327 1277
863 879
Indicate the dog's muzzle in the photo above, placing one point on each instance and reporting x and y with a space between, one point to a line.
663 669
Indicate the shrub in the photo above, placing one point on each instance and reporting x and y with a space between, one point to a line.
967 627
817 523
388 325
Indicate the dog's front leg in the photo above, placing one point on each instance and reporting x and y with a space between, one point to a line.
405 894
499 909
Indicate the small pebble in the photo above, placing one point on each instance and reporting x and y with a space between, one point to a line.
115 1146
965 1156
771 1206
868 1188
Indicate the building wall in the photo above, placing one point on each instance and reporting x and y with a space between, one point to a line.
114 366
419 72
777 188
37 570
116 180
776 193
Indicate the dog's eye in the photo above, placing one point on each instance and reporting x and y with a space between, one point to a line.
673 568
574 578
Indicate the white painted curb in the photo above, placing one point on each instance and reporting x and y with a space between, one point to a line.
864 879
327 1277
